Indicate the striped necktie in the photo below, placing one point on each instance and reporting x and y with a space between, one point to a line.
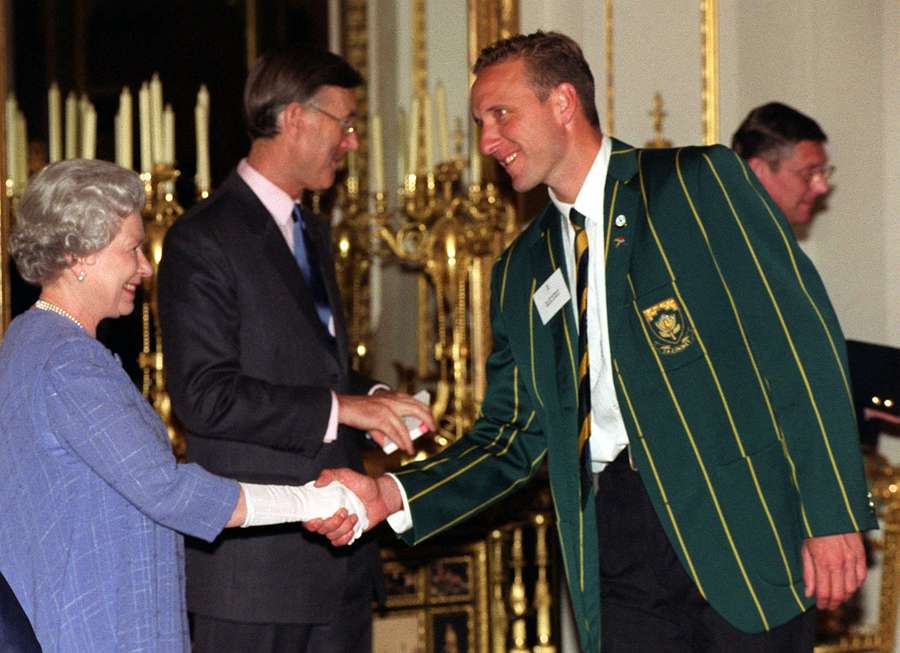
584 370
307 261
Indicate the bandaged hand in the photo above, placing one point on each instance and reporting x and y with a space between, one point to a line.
279 504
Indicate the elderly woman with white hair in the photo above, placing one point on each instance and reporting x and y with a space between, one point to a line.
94 502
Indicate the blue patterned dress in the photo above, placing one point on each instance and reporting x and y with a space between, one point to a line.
93 502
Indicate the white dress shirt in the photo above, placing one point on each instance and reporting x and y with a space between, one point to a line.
608 435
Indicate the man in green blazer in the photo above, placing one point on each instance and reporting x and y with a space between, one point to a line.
721 491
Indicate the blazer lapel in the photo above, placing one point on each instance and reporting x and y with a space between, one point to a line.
622 211
556 342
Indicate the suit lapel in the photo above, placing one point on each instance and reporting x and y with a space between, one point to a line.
555 343
320 235
277 253
621 213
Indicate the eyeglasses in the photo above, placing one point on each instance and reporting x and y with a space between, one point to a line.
822 173
345 123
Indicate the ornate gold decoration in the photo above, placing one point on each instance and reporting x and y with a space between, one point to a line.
709 40
352 236
543 596
450 237
160 212
517 601
498 594
610 88
656 112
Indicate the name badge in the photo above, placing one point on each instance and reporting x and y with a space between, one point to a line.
551 296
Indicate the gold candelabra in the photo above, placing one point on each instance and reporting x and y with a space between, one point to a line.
451 234
160 212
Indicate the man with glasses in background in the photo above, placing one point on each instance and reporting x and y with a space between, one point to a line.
258 369
786 150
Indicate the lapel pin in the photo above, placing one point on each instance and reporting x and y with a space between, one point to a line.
621 220
619 240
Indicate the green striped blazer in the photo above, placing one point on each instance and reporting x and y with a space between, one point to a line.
730 370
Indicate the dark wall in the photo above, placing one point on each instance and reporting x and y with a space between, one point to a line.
99 46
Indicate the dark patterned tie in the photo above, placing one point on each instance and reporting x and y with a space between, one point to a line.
584 369
305 253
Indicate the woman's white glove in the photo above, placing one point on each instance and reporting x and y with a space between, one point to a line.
279 504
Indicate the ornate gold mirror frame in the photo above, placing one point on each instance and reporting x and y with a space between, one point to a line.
709 68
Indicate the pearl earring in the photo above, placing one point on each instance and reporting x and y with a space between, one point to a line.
81 276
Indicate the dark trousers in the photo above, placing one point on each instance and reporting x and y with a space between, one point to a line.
350 631
649 603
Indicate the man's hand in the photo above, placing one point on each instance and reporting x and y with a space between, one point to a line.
381 497
834 566
382 413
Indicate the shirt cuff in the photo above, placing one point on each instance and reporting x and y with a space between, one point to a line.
401 520
332 431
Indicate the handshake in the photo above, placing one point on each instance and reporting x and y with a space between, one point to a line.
279 504
342 504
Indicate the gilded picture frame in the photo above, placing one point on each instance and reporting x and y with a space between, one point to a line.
451 579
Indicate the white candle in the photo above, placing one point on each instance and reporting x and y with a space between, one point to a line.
401 140
168 151
54 119
144 126
412 160
88 131
203 97
125 128
156 120
377 155
429 133
21 151
201 129
71 126
440 99
11 114
117 132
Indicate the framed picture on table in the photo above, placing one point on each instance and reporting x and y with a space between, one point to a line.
451 629
404 584
450 579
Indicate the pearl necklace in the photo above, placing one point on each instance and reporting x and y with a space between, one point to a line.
44 305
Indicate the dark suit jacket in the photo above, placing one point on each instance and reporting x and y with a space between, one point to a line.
16 633
250 367
730 372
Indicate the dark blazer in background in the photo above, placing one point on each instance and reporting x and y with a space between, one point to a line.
16 634
250 367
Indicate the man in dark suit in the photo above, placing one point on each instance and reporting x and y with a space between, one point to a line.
257 367
786 150
662 342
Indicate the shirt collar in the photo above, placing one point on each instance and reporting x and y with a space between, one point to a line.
276 201
589 201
